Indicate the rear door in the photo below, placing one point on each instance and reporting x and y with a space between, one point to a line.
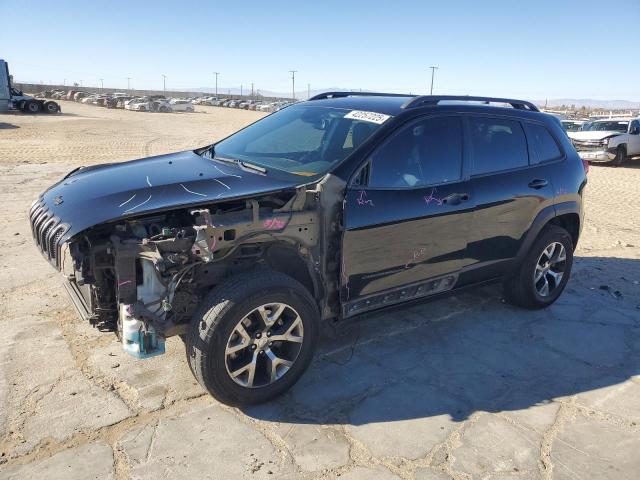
407 217
511 184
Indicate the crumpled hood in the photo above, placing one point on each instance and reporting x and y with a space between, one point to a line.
102 193
593 135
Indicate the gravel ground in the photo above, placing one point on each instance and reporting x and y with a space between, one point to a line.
465 387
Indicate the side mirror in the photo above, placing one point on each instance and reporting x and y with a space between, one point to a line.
634 130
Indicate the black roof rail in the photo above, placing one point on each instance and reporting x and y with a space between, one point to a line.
322 96
427 100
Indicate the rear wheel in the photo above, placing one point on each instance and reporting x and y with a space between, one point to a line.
543 274
621 156
51 107
253 337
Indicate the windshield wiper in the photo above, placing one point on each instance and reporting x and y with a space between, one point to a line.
251 166
240 164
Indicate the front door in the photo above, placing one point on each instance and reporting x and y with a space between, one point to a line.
406 222
633 142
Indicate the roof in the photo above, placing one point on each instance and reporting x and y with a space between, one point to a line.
395 104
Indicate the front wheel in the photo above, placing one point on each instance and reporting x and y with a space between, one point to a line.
621 156
253 337
543 274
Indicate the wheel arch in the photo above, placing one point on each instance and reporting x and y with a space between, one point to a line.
565 215
286 259
570 222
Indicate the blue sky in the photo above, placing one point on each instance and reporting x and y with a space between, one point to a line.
538 49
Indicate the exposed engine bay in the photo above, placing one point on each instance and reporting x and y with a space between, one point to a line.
144 277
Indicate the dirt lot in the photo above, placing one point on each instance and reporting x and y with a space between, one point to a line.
466 387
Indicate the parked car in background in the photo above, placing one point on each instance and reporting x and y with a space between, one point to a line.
178 105
138 105
611 141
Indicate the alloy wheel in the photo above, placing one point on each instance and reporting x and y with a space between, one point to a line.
264 345
550 269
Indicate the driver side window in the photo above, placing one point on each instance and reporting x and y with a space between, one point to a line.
426 152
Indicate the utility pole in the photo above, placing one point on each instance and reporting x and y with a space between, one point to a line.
64 82
216 74
433 71
251 89
80 82
164 83
128 83
241 91
308 91
101 84
293 83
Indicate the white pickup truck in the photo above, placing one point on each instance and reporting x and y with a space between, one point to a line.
612 141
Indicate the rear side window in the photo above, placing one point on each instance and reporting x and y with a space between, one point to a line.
497 144
543 146
426 152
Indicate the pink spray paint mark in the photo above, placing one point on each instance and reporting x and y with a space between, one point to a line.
431 198
362 201
124 282
416 254
274 224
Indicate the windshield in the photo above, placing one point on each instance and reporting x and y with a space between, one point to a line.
608 126
301 139
570 126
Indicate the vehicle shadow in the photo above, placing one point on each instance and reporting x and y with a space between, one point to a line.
472 352
8 126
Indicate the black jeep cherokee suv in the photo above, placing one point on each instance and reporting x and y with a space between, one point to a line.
346 203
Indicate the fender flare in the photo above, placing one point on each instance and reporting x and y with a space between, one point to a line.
542 219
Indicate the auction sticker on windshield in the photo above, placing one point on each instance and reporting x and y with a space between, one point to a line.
372 117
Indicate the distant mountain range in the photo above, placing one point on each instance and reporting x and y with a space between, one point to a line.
590 102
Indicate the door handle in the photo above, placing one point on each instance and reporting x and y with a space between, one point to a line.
455 198
538 183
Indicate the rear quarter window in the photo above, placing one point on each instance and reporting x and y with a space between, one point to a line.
497 144
543 146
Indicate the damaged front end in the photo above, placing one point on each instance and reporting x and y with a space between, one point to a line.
144 276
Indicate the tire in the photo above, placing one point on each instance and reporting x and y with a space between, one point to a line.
521 288
189 109
621 156
51 107
164 109
32 106
214 327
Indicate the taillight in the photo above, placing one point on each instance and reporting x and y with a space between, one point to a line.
585 164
